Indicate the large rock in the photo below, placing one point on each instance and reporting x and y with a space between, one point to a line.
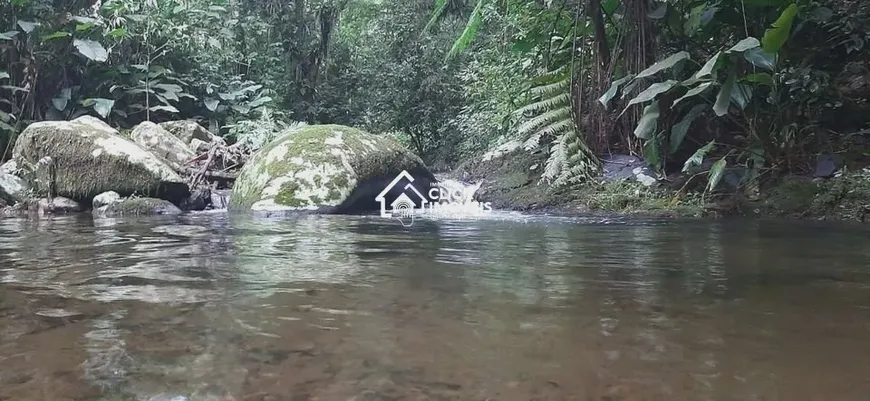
131 207
90 160
187 130
160 142
13 189
326 168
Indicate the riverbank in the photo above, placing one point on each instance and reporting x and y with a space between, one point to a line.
511 180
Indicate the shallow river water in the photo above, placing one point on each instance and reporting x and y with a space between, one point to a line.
221 307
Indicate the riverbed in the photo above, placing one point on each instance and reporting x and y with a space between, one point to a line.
508 307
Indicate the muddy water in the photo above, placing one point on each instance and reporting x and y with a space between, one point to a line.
213 307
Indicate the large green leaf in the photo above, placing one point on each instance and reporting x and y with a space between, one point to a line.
56 35
8 35
4 74
91 49
760 58
708 67
698 157
652 91
694 92
609 6
679 130
665 64
741 95
169 109
648 122
102 106
211 104
27 26
723 99
744 45
778 33
716 173
614 89
61 100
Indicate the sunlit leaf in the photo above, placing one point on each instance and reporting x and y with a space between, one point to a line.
56 35
84 27
708 67
470 31
8 35
647 124
744 45
27 26
665 64
62 99
103 106
169 109
652 91
91 49
679 130
716 173
4 74
118 33
84 20
723 99
211 104
778 33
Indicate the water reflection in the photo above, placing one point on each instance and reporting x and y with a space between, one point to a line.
208 307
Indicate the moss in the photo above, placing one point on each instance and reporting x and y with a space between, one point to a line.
138 207
85 168
325 161
287 195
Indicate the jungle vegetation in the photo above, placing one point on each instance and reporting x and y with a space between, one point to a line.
695 86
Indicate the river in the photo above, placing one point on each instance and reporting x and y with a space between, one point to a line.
226 307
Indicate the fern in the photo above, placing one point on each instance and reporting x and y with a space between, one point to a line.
550 116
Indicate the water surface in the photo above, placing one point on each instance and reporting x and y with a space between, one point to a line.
218 307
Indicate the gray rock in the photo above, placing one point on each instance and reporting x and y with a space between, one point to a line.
106 198
826 166
163 144
58 205
10 167
620 167
627 167
220 199
199 146
187 131
96 124
137 207
319 167
90 161
13 189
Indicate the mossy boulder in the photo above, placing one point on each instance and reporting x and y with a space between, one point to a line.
323 168
130 207
160 142
93 159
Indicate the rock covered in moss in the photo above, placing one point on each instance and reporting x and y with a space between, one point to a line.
58 205
325 168
186 131
136 207
163 144
89 161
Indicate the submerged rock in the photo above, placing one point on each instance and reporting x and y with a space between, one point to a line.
627 167
58 205
325 168
160 142
13 189
92 160
106 198
137 207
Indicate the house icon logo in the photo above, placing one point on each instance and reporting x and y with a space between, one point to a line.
405 204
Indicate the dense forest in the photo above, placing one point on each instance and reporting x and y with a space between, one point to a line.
693 86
